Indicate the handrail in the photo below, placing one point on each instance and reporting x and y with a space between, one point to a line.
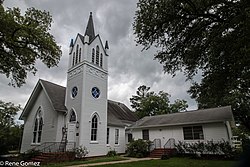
155 144
47 147
170 143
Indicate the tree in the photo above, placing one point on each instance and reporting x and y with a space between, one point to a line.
10 133
146 103
211 37
23 40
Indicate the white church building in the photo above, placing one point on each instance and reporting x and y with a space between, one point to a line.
58 118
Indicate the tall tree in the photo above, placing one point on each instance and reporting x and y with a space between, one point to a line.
23 40
10 133
211 37
148 103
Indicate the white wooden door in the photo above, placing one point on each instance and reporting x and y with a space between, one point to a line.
71 133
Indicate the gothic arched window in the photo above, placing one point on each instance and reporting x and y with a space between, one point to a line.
93 55
97 55
72 117
101 60
73 61
38 127
80 54
94 124
77 47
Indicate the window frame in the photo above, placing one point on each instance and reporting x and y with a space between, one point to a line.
38 127
107 139
80 54
97 55
93 55
72 113
94 128
117 136
145 136
101 60
77 47
193 132
73 59
130 137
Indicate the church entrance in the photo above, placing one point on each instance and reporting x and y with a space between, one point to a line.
71 130
71 133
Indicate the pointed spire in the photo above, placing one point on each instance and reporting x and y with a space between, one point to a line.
106 45
71 43
90 28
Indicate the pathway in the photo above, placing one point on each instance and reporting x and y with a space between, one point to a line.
114 162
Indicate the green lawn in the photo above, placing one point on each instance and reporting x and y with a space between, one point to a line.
172 162
95 160
176 162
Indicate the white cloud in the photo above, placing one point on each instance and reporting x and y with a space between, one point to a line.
128 66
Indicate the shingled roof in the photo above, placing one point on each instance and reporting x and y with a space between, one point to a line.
121 112
118 113
56 94
219 114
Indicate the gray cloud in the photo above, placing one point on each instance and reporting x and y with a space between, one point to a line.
128 66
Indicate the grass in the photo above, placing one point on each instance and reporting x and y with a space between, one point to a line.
176 162
172 162
78 162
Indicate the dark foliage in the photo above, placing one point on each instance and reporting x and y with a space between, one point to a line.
23 40
209 37
138 148
149 103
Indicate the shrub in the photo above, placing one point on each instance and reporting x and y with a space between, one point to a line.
138 148
111 153
81 152
245 144
222 148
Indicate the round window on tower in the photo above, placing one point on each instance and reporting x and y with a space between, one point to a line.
95 92
74 91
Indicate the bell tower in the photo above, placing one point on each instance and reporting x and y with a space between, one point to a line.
86 91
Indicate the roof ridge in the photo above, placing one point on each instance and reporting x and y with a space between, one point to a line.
52 83
190 111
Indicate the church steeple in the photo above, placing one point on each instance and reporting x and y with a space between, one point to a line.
90 28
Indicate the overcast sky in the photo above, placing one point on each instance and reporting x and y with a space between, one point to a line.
128 66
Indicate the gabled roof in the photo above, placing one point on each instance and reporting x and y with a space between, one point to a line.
54 92
219 114
118 113
124 114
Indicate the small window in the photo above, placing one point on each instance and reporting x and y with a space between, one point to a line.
73 61
80 54
116 136
193 133
130 137
94 124
107 136
77 47
97 55
72 117
145 134
93 55
101 60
